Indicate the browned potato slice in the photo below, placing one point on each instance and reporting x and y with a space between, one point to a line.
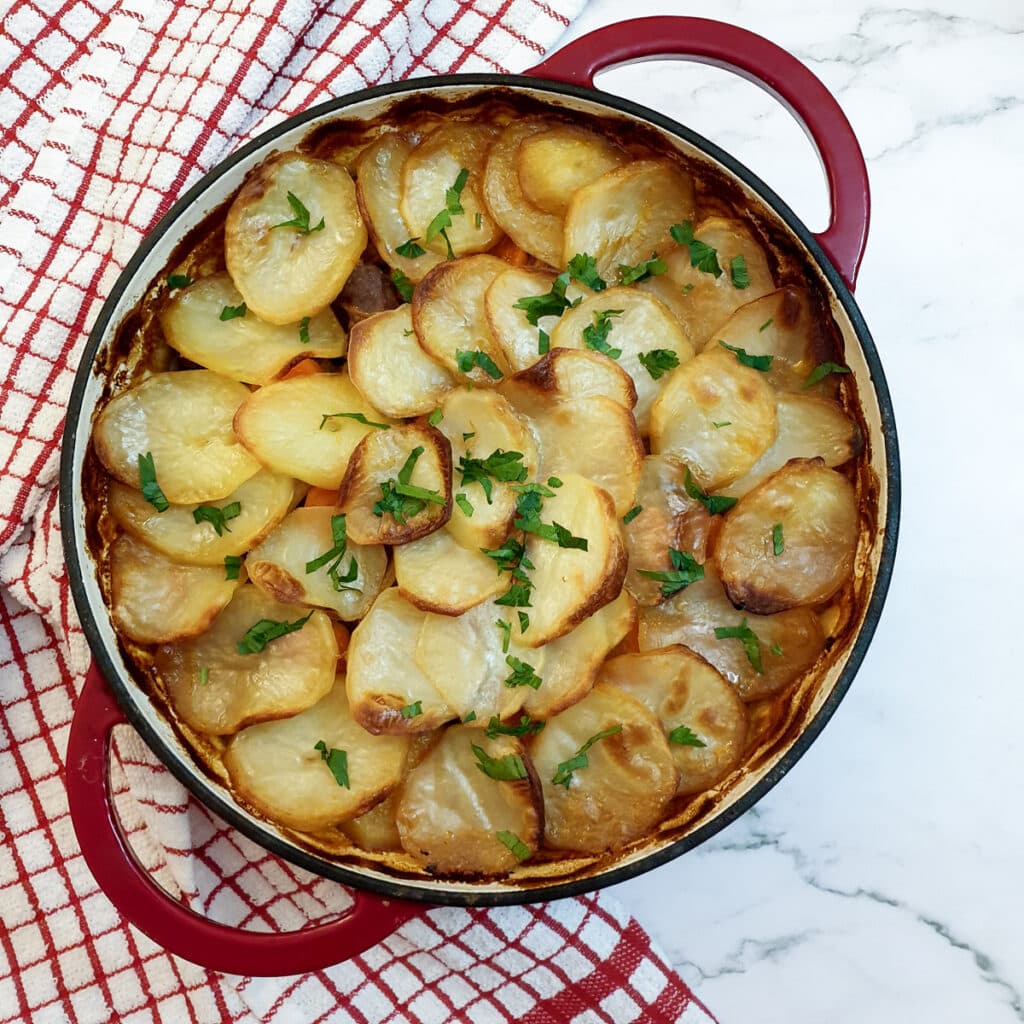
449 316
625 215
286 273
622 792
379 188
682 689
375 468
533 230
643 324
278 768
580 373
812 511
383 677
263 501
184 420
450 814
431 169
215 689
156 600
391 370
293 426
277 565
691 617
571 584
555 164
714 388
243 348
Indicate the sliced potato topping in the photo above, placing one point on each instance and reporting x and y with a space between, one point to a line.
579 373
715 416
375 829
307 427
215 688
390 369
459 820
282 261
199 323
183 419
621 790
316 769
155 600
346 583
702 715
791 540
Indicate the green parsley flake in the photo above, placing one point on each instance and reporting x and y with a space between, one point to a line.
301 219
335 556
777 649
465 504
552 303
471 717
412 710
452 208
515 845
583 268
563 775
179 281
467 360
150 488
685 737
232 567
504 769
522 674
778 544
595 336
751 645
821 371
647 268
402 498
402 284
410 249
685 570
217 517
232 312
435 417
762 363
524 622
714 503
357 416
258 636
702 256
553 481
526 727
543 343
506 634
304 330
659 361
499 465
632 514
764 327
204 675
337 762
738 272
721 423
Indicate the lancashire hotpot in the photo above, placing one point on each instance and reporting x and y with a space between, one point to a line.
113 695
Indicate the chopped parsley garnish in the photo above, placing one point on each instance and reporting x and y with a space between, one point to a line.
714 503
464 503
435 417
563 776
702 256
501 465
528 507
583 268
471 434
821 371
764 327
478 220
552 303
258 636
471 717
232 312
150 488
524 622
518 595
204 675
452 207
686 289
526 727
232 567
515 845
595 336
777 649
504 769
778 543
410 249
301 219
403 499
647 268
506 635
659 361
412 710
522 674
543 343
738 272
685 737
217 517
762 363
721 423
179 281
409 333
402 284
511 558
337 762
357 416
632 514
335 555
304 330
467 360
553 481
751 645
685 570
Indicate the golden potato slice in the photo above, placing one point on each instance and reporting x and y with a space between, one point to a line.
307 427
398 486
216 689
570 584
554 165
285 265
715 416
263 501
278 565
390 369
791 540
787 644
449 316
642 325
431 170
379 189
705 720
460 821
243 348
580 373
293 770
621 791
387 691
533 230
625 215
155 600
183 419
375 829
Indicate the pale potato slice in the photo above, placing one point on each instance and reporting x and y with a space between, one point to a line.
376 467
277 565
642 325
155 600
683 690
244 348
263 501
533 230
431 169
390 369
184 420
293 426
554 165
375 829
284 273
580 373
215 689
449 316
383 677
379 189
812 511
714 388
808 428
625 215
570 584
277 767
625 787
451 815
691 617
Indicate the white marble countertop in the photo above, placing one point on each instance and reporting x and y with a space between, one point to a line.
881 880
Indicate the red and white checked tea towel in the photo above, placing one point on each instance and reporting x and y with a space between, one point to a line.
108 111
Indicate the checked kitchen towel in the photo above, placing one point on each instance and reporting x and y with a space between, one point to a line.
108 111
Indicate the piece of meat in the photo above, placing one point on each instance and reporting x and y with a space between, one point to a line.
368 290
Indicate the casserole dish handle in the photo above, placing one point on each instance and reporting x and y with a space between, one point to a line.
153 911
763 63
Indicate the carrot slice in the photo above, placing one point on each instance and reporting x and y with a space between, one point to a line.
304 368
321 496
